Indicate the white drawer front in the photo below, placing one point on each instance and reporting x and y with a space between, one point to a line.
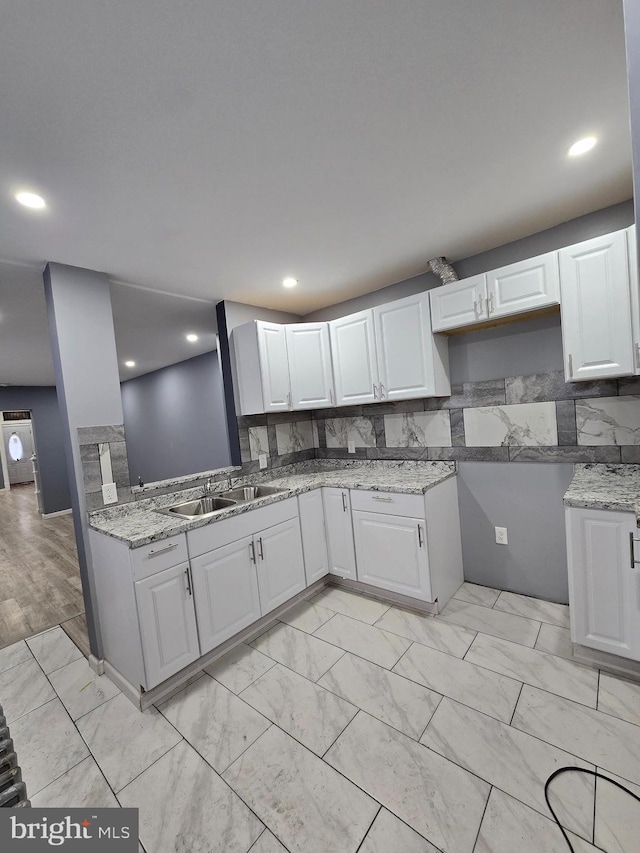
219 533
158 556
390 503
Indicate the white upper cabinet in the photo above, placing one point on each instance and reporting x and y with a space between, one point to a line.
274 367
354 359
635 293
261 368
463 303
525 286
596 308
310 371
412 362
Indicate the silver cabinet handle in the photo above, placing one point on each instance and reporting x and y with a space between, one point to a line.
156 551
480 303
490 307
375 391
420 539
634 562
252 551
331 396
260 551
638 355
570 366
344 502
475 306
289 399
381 390
186 571
380 498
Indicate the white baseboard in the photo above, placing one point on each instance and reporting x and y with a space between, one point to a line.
56 514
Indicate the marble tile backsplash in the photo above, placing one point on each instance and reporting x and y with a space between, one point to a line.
533 418
88 440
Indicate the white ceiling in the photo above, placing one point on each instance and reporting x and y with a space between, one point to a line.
212 148
150 328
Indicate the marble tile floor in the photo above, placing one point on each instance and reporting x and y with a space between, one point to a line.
349 727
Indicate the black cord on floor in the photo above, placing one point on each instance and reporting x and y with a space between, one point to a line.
593 773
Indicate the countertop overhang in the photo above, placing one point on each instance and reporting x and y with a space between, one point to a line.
138 523
613 487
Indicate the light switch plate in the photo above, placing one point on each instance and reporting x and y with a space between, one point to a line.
262 460
351 446
109 493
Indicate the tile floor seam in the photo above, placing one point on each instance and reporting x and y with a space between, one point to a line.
194 747
430 718
538 634
498 788
484 811
273 663
364 838
546 689
371 796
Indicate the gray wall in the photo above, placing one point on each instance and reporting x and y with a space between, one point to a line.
175 420
49 438
632 40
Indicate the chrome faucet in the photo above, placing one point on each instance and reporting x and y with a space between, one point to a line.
208 486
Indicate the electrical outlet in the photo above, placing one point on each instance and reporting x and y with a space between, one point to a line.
501 536
351 446
109 493
262 460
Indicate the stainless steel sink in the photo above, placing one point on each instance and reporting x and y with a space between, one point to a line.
251 493
200 507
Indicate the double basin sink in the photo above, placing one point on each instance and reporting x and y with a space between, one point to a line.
210 504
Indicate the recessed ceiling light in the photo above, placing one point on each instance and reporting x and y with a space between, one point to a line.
32 200
289 282
582 146
129 364
192 338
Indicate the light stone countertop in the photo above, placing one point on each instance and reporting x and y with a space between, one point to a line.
615 487
138 523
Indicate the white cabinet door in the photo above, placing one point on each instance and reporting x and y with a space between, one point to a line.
314 537
274 366
411 362
596 312
280 564
604 588
337 514
355 368
525 286
225 585
391 553
632 244
167 623
309 354
463 303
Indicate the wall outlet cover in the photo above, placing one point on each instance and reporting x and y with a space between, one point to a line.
351 446
262 460
109 493
501 536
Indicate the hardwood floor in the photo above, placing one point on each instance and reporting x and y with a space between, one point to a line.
39 575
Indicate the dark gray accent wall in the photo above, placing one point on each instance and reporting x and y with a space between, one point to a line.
527 500
175 420
632 41
49 441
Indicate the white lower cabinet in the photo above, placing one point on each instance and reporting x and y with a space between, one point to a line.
167 623
314 536
337 514
604 580
391 553
280 564
226 592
